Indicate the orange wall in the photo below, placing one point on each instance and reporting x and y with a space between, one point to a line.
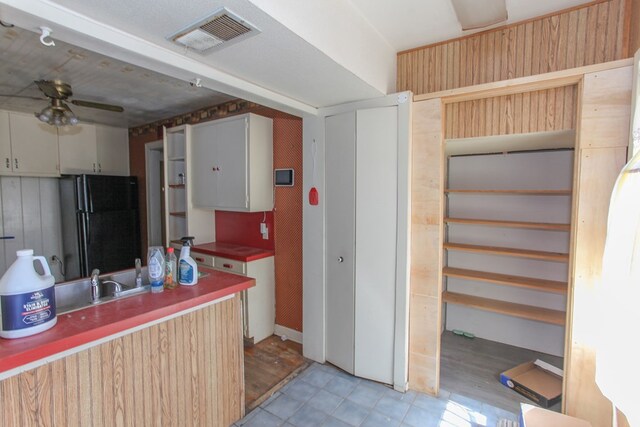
287 232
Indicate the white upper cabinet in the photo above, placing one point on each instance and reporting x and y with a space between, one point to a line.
5 143
78 152
232 164
94 149
113 150
31 148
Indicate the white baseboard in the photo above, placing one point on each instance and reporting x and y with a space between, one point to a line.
291 334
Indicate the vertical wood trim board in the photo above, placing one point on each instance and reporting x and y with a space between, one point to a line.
186 371
581 36
536 111
427 187
603 136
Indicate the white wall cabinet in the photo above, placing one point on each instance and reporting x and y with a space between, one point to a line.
232 164
28 146
182 218
94 149
361 220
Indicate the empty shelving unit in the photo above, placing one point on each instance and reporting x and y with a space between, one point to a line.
507 229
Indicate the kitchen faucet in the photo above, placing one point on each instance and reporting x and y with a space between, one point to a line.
95 286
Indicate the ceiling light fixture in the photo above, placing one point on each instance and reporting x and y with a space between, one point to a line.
57 114
474 14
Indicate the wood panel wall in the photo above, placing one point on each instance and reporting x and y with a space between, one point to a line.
595 33
601 152
427 188
537 111
187 371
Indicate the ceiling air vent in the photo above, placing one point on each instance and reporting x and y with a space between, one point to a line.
219 29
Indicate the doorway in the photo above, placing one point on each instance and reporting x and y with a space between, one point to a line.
154 156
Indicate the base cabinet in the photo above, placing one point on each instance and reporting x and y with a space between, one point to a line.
186 371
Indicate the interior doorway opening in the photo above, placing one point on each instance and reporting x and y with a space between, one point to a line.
155 193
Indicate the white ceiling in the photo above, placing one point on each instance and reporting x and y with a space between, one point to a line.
309 54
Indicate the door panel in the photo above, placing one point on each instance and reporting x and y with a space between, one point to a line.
376 221
233 164
340 217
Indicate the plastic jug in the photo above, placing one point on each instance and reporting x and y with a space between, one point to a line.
27 299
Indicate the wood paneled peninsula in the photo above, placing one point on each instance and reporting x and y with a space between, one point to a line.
173 358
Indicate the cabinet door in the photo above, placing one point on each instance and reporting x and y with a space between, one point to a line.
5 143
77 146
232 176
34 146
219 165
204 161
340 140
113 150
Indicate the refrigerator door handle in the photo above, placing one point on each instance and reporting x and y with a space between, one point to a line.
83 222
89 197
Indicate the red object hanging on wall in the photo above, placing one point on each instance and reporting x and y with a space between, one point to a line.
313 196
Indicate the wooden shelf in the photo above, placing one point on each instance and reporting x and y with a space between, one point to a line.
521 253
539 314
510 224
508 280
178 214
176 185
512 192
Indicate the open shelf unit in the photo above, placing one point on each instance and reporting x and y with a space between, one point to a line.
182 219
477 211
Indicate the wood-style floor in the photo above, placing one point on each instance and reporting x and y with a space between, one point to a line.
269 365
472 367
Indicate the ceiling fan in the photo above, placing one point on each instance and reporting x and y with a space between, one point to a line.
58 113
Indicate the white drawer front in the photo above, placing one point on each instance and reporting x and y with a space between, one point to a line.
230 265
203 259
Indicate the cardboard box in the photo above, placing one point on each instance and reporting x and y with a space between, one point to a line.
538 381
531 416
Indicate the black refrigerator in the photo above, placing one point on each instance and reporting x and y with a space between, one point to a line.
100 223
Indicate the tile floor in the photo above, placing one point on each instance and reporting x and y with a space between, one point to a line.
325 396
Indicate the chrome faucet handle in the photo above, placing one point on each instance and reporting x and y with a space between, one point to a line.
138 264
95 285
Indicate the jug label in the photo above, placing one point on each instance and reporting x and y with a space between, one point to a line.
29 309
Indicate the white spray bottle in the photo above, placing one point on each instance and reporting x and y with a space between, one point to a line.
187 267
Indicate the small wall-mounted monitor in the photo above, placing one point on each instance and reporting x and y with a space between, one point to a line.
283 177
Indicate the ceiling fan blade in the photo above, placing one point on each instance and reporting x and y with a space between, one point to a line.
8 95
89 104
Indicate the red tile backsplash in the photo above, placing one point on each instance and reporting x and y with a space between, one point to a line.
243 228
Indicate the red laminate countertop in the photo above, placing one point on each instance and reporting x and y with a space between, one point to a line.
97 322
231 251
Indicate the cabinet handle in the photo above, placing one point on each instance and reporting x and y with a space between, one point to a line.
340 259
199 259
227 265
215 169
94 167
8 163
99 167
16 162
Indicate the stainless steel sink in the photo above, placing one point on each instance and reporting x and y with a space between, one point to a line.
74 295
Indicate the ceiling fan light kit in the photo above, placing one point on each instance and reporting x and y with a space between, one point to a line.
57 114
